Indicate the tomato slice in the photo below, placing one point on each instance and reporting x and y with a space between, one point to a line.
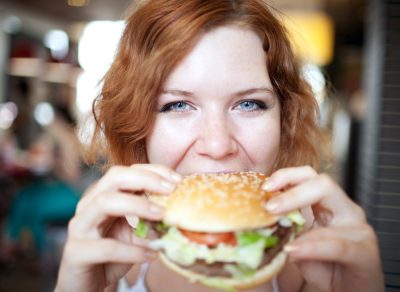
210 239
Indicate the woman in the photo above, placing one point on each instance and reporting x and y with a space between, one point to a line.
210 86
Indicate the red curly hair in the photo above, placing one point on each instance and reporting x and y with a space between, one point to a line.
157 36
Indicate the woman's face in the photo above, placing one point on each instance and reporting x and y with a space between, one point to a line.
217 111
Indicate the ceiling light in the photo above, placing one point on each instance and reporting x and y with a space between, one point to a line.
58 43
312 34
44 113
78 3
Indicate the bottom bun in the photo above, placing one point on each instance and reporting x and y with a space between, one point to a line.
263 275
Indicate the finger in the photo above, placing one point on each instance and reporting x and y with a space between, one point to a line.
126 178
321 190
86 197
162 170
287 177
353 246
308 215
104 206
328 250
317 274
356 233
91 252
134 179
142 242
305 194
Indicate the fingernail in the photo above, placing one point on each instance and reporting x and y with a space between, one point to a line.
176 177
272 205
132 220
167 185
290 248
156 209
268 185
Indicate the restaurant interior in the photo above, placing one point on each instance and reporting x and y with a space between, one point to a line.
53 55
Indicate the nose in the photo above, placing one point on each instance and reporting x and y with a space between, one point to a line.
216 138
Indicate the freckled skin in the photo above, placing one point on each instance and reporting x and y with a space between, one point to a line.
212 133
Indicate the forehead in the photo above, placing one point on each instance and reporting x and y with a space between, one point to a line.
222 54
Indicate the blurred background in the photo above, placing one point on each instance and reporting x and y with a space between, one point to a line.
53 54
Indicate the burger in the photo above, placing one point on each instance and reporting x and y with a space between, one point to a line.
215 230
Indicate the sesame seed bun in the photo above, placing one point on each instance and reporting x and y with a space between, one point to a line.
218 202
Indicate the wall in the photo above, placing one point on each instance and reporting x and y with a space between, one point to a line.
379 179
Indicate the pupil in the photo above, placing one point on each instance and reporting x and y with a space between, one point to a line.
247 104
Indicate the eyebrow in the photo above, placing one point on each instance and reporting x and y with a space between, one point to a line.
254 90
178 92
237 94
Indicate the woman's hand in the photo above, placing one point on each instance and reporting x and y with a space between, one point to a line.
101 246
340 251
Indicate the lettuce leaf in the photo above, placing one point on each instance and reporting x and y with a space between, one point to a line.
296 217
271 241
239 271
249 251
141 229
248 237
162 227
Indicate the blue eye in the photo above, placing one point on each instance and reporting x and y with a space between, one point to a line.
251 105
176 106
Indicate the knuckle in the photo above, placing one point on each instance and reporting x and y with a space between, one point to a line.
72 225
368 232
80 206
359 212
342 248
278 173
155 165
74 228
309 170
326 180
162 167
101 201
106 181
113 170
137 165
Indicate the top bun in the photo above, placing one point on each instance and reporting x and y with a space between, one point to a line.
217 202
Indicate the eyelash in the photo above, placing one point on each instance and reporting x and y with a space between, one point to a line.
260 105
169 106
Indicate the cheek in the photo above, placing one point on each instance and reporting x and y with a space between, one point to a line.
167 141
260 140
267 143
